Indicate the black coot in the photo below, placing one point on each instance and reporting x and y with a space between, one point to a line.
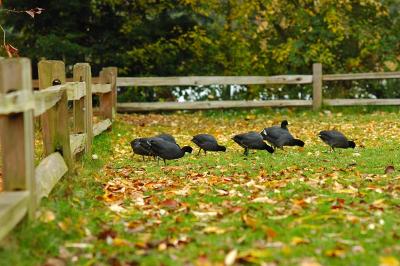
140 146
207 142
280 136
167 150
336 139
252 141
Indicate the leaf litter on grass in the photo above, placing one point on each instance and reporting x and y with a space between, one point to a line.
296 207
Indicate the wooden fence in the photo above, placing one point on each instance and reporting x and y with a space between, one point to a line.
24 184
316 79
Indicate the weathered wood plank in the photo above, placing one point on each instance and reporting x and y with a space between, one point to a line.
47 98
13 208
55 125
101 127
357 76
83 109
213 80
113 73
106 99
350 102
17 133
101 88
35 82
16 102
75 90
157 106
317 86
78 143
48 173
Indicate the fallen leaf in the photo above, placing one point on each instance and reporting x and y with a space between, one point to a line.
264 200
298 240
309 262
54 262
388 261
170 204
47 216
250 221
214 230
231 257
389 169
116 208
337 252
119 242
79 245
106 233
204 215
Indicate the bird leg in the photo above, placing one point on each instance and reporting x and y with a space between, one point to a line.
165 162
199 152
246 152
143 157
205 152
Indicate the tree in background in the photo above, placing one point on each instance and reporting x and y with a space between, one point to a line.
213 37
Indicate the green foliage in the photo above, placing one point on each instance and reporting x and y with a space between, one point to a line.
213 37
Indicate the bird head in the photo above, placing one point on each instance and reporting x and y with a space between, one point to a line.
187 149
352 144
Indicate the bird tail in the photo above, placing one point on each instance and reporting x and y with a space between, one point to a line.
296 142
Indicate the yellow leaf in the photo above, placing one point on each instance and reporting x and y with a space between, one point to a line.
388 261
119 242
47 216
298 240
250 221
337 252
214 230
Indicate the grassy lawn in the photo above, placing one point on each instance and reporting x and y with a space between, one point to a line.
299 206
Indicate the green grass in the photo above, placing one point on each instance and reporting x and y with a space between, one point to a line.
332 208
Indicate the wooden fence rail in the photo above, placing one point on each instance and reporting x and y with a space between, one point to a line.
23 184
316 80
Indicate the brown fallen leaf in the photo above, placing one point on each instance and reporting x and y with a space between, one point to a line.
107 233
54 262
169 204
250 221
336 252
389 169
203 261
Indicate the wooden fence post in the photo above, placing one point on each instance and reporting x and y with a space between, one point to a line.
83 110
108 101
17 132
55 122
317 86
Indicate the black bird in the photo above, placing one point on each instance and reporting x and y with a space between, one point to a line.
140 146
166 137
280 136
207 142
284 125
336 139
167 150
252 141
